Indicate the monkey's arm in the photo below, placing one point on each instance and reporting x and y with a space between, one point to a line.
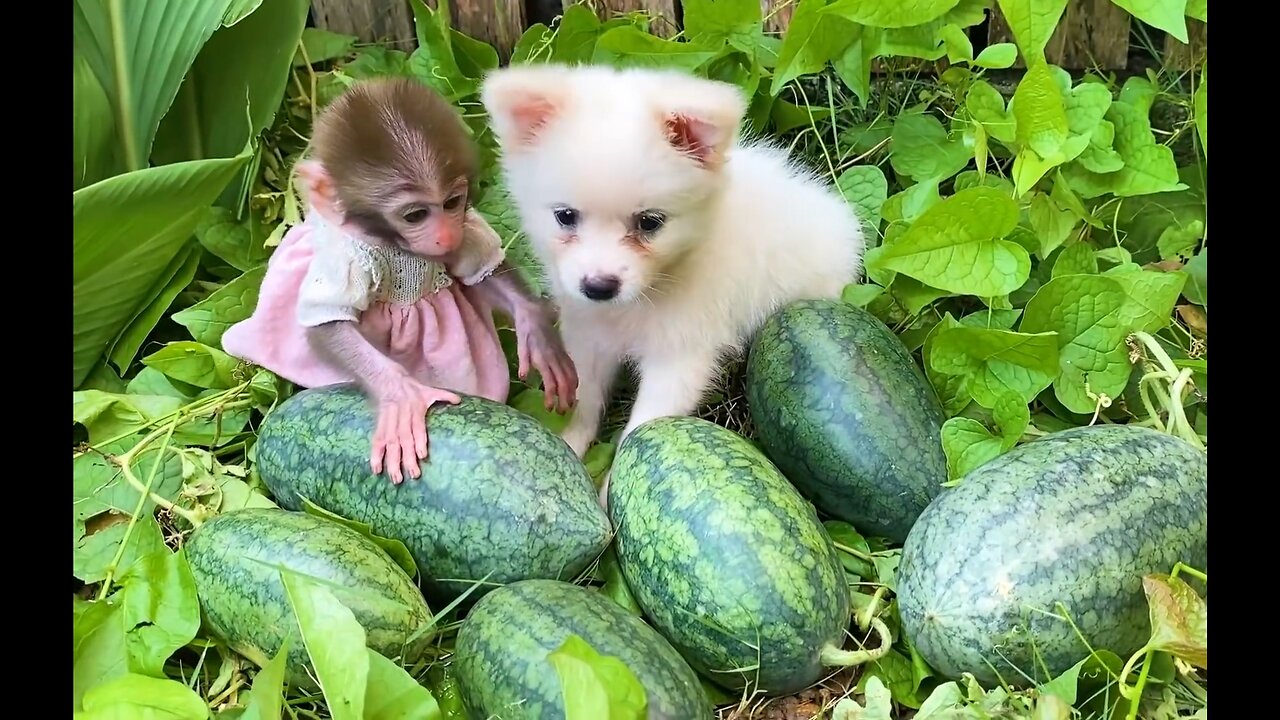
483 267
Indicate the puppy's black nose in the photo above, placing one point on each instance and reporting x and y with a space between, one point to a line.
603 287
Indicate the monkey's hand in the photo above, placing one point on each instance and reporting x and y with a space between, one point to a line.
401 436
538 344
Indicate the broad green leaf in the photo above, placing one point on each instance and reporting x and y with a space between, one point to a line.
320 45
475 58
127 230
1086 105
719 21
849 541
853 67
596 686
968 444
1180 241
865 187
957 245
813 39
433 62
208 319
1052 224
1064 197
894 671
787 116
615 585
1032 23
239 10
1179 619
1200 109
1198 9
599 458
246 63
1149 295
878 706
576 35
942 703
335 643
98 485
1139 92
394 548
140 52
192 362
997 57
991 319
629 46
138 697
907 206
1100 155
1196 288
953 391
1075 259
240 243
914 295
861 294
922 150
392 694
1040 111
959 47
266 698
1148 166
890 13
534 44
997 363
1064 686
1167 15
92 146
109 415
99 646
161 611
1087 313
986 105
93 554
169 284
532 402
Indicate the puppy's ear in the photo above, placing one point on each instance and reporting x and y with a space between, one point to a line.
701 118
522 101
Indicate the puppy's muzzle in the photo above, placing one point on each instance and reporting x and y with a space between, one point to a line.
600 288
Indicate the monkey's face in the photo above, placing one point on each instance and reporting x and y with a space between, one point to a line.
422 219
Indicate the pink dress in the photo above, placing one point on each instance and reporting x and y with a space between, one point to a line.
425 315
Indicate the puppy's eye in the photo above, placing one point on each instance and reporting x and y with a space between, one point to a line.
453 202
567 217
413 217
650 221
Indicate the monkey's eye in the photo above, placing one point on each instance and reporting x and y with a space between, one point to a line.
567 217
413 217
453 202
650 221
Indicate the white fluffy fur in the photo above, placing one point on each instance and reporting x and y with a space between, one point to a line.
746 230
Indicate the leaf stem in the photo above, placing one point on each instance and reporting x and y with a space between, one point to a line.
832 656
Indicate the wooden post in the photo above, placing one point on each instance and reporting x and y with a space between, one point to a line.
384 21
1091 33
1185 57
777 14
497 22
662 13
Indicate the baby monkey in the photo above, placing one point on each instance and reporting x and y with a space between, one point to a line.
392 279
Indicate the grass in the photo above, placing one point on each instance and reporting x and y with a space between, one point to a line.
202 408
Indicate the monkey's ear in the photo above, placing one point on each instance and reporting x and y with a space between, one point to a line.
317 185
701 117
522 100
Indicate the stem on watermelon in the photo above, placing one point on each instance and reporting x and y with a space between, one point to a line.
833 656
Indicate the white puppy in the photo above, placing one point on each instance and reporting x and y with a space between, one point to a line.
666 240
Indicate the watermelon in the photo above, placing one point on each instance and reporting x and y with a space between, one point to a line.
500 657
726 558
500 498
235 559
846 414
1077 517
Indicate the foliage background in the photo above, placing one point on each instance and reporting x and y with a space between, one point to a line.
1039 240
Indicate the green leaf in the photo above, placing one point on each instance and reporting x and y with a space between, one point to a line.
853 67
98 486
140 52
475 57
1196 288
208 319
890 13
952 390
615 585
599 458
99 646
1167 15
1198 9
596 686
335 643
1053 225
630 46
986 105
192 362
1148 167
907 206
866 188
320 45
1041 127
92 146
161 611
138 697
108 415
576 35
914 295
1200 109
813 39
997 57
894 671
957 245
996 362
127 230
712 22
1032 23
434 62
175 278
1076 259
393 694
968 444
1087 313
241 243
1179 619
1149 295
394 548
532 402
246 63
991 319
93 554
959 48
861 294
922 150
848 541
879 704
1180 241
266 698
